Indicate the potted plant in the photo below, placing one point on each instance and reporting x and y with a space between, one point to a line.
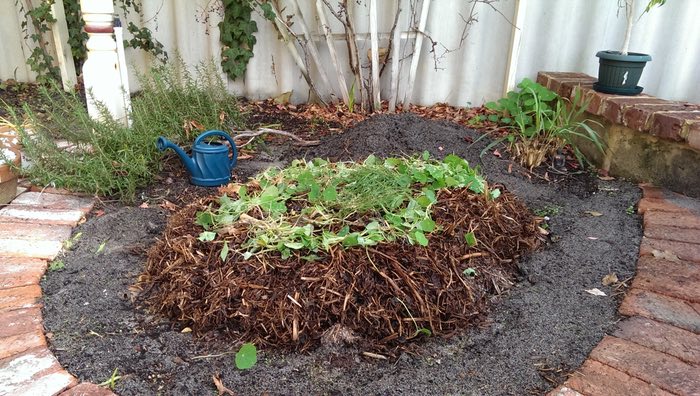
619 71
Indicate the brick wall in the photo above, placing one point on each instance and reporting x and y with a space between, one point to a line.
669 120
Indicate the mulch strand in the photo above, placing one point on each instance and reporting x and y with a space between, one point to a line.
384 296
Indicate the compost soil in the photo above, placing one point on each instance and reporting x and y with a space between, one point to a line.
535 333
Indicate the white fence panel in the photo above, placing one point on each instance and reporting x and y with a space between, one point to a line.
556 35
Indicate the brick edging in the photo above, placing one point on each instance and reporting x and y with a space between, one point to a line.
656 349
666 119
33 228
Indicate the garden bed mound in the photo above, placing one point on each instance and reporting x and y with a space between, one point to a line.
380 296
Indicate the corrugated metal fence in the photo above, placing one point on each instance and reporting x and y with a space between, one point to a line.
553 35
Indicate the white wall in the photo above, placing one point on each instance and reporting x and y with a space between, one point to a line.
556 35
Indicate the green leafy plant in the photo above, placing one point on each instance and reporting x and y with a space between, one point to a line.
630 210
57 265
236 34
541 123
313 206
39 61
246 357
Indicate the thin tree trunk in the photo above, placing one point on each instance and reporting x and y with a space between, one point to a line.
395 47
374 45
331 49
629 13
416 53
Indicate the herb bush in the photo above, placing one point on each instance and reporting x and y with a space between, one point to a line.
69 149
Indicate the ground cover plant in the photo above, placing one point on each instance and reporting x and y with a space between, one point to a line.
69 149
386 250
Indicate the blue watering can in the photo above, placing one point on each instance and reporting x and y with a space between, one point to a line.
210 165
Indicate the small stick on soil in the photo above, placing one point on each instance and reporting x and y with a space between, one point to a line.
253 134
212 356
472 255
374 355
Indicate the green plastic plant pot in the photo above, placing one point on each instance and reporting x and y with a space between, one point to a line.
619 74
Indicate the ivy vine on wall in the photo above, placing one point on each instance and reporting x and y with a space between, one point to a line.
236 34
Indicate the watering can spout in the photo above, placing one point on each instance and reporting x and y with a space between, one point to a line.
164 144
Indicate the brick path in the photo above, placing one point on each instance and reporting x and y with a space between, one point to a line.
656 350
32 231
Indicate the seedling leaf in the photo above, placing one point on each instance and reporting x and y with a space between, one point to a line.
470 238
246 357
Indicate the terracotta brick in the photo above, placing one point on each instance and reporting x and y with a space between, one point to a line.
668 125
15 272
41 216
684 251
661 337
20 297
51 190
661 205
638 117
674 279
37 232
680 220
36 372
564 391
546 78
673 234
667 372
615 107
597 100
595 378
661 308
16 344
54 201
566 90
693 134
20 321
87 389
651 191
31 249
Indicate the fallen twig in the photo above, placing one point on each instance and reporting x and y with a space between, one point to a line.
253 134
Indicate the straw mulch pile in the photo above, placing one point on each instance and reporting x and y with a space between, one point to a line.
383 295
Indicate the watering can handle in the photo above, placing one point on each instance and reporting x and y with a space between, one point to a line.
227 136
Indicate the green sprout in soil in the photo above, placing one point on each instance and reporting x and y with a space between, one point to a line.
630 210
312 206
112 381
57 265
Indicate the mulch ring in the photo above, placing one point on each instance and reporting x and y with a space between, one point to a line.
382 296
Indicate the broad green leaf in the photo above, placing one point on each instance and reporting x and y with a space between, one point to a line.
207 236
470 238
420 238
246 357
224 251
330 194
351 240
205 219
426 225
294 245
426 155
495 193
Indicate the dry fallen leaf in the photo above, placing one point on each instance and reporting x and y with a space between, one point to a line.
186 330
593 213
610 279
220 386
496 153
596 292
144 205
666 255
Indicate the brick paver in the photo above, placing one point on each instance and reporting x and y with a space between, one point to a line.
662 337
656 351
32 229
665 371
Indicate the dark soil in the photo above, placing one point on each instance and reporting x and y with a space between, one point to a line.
536 332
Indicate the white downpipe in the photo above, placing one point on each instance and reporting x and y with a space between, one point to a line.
515 44
123 72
